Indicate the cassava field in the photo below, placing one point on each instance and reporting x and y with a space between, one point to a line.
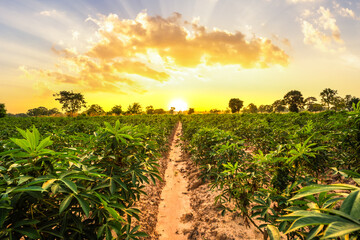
210 176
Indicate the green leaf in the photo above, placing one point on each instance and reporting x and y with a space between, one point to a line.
23 179
351 205
315 219
30 232
70 185
84 205
27 189
22 143
338 229
273 232
44 143
65 203
25 222
314 189
314 231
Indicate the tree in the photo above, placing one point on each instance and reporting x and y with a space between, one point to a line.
235 105
2 110
309 101
328 96
251 108
295 101
172 109
53 111
278 106
95 110
135 108
71 102
117 110
159 111
339 103
191 111
315 107
214 111
349 100
39 111
150 109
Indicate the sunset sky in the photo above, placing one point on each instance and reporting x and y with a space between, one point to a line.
203 52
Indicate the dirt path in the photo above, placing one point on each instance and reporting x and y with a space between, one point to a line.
175 199
182 206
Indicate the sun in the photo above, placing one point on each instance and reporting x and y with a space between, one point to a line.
179 105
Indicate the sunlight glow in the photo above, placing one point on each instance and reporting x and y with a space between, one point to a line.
179 104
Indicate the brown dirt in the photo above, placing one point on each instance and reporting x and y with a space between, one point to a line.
185 209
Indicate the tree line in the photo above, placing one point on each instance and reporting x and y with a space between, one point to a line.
293 101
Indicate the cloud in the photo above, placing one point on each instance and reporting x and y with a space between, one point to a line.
345 12
50 13
129 50
321 31
302 1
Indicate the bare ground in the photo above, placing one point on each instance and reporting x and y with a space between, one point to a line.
183 206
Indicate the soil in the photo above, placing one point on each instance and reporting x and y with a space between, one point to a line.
183 206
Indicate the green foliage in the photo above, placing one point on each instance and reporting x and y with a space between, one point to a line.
78 185
71 102
235 105
95 110
294 100
117 110
2 110
328 96
135 108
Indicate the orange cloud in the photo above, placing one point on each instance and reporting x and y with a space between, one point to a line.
121 54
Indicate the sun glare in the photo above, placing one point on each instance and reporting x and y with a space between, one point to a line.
179 105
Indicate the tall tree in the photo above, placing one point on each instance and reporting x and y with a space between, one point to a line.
2 110
95 110
251 108
150 109
295 100
235 105
39 111
191 111
71 102
279 106
135 108
328 96
349 100
116 110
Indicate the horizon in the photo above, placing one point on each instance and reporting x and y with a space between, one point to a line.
202 52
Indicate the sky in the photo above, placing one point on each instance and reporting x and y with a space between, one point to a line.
203 52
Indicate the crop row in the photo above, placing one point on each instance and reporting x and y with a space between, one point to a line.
271 167
67 178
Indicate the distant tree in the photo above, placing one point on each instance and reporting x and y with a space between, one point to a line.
135 108
251 108
116 110
328 97
214 110
159 111
191 111
268 108
315 107
2 110
339 103
71 102
295 101
235 105
53 111
349 100
39 111
95 110
172 109
278 106
309 101
150 109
